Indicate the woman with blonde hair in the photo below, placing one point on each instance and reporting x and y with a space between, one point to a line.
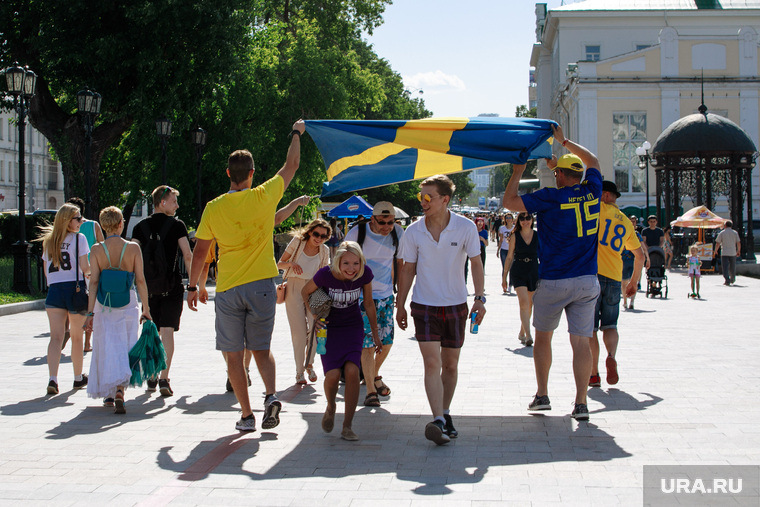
64 251
303 257
346 279
115 328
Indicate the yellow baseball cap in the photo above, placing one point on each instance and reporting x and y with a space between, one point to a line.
570 161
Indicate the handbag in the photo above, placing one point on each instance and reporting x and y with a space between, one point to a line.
282 288
320 303
80 299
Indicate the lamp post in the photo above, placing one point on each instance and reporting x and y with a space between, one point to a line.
164 130
21 84
643 153
198 138
88 104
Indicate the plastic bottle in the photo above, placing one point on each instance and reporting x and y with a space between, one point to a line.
473 325
321 338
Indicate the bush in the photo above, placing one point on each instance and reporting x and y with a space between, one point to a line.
9 232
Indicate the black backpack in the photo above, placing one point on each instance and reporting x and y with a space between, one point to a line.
159 275
362 234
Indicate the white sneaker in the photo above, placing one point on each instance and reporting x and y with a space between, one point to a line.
246 424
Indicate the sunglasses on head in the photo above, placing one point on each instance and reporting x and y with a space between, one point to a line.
166 191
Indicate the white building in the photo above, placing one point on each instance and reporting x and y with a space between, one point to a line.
44 176
615 73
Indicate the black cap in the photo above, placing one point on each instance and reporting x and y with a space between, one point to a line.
609 186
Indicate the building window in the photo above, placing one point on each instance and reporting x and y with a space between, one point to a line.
10 130
593 53
2 170
629 130
1 131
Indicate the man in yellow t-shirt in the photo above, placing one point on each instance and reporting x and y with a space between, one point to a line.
615 233
242 223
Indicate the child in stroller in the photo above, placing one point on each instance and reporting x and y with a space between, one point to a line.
657 280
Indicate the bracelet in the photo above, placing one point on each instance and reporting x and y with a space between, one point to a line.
89 314
564 142
294 132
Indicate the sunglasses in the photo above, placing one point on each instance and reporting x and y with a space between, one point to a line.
526 219
427 197
389 222
166 191
79 218
320 236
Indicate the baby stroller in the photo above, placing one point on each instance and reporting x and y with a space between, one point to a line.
657 280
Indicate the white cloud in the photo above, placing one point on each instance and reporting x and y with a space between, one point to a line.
434 82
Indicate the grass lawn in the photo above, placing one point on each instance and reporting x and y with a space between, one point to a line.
6 282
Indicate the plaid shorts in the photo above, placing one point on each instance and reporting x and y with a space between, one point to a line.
445 324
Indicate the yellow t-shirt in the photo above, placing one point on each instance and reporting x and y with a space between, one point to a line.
615 233
242 223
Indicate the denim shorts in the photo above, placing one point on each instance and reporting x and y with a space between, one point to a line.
576 296
607 305
245 316
385 323
61 295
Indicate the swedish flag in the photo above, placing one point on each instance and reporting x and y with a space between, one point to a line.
361 154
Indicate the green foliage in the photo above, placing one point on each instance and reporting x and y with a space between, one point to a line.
6 282
9 231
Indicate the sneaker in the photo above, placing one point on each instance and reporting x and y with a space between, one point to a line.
152 383
300 379
271 415
595 381
246 423
612 373
164 387
528 341
348 434
540 403
436 432
449 427
228 386
580 412
79 384
52 387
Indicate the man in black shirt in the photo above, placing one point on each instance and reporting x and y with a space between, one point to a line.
653 235
165 303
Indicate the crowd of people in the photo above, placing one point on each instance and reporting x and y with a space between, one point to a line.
566 249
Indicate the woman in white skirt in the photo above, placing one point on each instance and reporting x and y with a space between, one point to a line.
115 330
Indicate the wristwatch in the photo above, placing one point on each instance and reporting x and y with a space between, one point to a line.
191 288
482 299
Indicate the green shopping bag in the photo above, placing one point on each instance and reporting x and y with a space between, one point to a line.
148 357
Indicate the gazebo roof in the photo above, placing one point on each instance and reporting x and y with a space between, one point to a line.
703 133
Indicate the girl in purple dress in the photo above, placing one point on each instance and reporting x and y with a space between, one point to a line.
344 282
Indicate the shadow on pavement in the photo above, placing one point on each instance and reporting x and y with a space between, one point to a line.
615 399
396 444
38 405
39 361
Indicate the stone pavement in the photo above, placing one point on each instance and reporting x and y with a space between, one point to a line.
688 394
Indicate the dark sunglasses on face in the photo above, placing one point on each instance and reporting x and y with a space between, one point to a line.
321 236
526 219
378 222
79 218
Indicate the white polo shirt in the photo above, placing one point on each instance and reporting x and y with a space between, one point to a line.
440 264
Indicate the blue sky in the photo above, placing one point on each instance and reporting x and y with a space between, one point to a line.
469 57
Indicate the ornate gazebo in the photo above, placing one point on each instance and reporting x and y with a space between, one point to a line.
702 156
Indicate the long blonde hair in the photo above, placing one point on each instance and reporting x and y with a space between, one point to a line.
53 235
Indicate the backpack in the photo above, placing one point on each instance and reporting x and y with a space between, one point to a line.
159 274
115 285
362 234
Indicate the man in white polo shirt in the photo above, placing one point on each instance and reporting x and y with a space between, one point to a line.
429 249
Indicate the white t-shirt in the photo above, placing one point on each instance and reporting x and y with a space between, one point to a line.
440 265
505 238
309 263
66 273
378 250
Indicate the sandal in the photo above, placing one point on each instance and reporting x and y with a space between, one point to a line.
311 373
108 402
372 400
119 402
382 389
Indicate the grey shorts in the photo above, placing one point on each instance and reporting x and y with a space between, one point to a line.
576 296
245 316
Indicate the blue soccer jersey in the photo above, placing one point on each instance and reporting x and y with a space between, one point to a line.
568 221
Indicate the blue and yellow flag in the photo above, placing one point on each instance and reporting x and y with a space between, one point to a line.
361 154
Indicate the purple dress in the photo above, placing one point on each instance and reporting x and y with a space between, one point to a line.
345 328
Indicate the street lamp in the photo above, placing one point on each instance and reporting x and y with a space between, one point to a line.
198 138
164 130
643 153
21 84
88 104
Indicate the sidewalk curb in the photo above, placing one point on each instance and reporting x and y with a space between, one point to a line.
24 306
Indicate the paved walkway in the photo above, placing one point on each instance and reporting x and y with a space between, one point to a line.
688 395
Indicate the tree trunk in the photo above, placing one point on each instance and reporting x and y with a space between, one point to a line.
67 136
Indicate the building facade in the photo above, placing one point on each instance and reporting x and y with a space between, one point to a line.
616 73
44 176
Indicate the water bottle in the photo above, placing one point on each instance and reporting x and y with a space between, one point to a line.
473 324
321 339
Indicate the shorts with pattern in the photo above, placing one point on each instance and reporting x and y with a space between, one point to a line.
576 296
445 324
385 323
